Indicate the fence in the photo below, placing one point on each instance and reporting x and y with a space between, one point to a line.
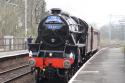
12 44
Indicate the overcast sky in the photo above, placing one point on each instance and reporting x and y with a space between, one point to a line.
92 11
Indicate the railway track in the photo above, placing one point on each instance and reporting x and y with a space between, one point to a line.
14 73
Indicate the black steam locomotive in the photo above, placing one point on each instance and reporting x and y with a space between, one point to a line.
63 43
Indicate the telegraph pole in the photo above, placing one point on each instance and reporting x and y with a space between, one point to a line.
110 34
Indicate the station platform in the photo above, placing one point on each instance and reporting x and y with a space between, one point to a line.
106 66
12 53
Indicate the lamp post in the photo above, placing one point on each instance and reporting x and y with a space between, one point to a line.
26 19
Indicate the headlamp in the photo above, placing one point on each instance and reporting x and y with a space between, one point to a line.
50 54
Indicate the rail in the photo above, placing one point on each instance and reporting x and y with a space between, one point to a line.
18 69
13 69
13 74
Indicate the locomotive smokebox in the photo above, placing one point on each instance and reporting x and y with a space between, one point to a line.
53 30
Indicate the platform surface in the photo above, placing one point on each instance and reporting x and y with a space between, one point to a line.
12 53
107 66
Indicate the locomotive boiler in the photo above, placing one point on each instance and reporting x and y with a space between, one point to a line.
63 43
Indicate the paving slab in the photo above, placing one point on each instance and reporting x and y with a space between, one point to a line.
107 66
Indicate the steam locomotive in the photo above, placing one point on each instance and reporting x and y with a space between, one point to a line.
63 43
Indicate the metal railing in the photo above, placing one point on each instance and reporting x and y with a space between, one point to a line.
13 44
